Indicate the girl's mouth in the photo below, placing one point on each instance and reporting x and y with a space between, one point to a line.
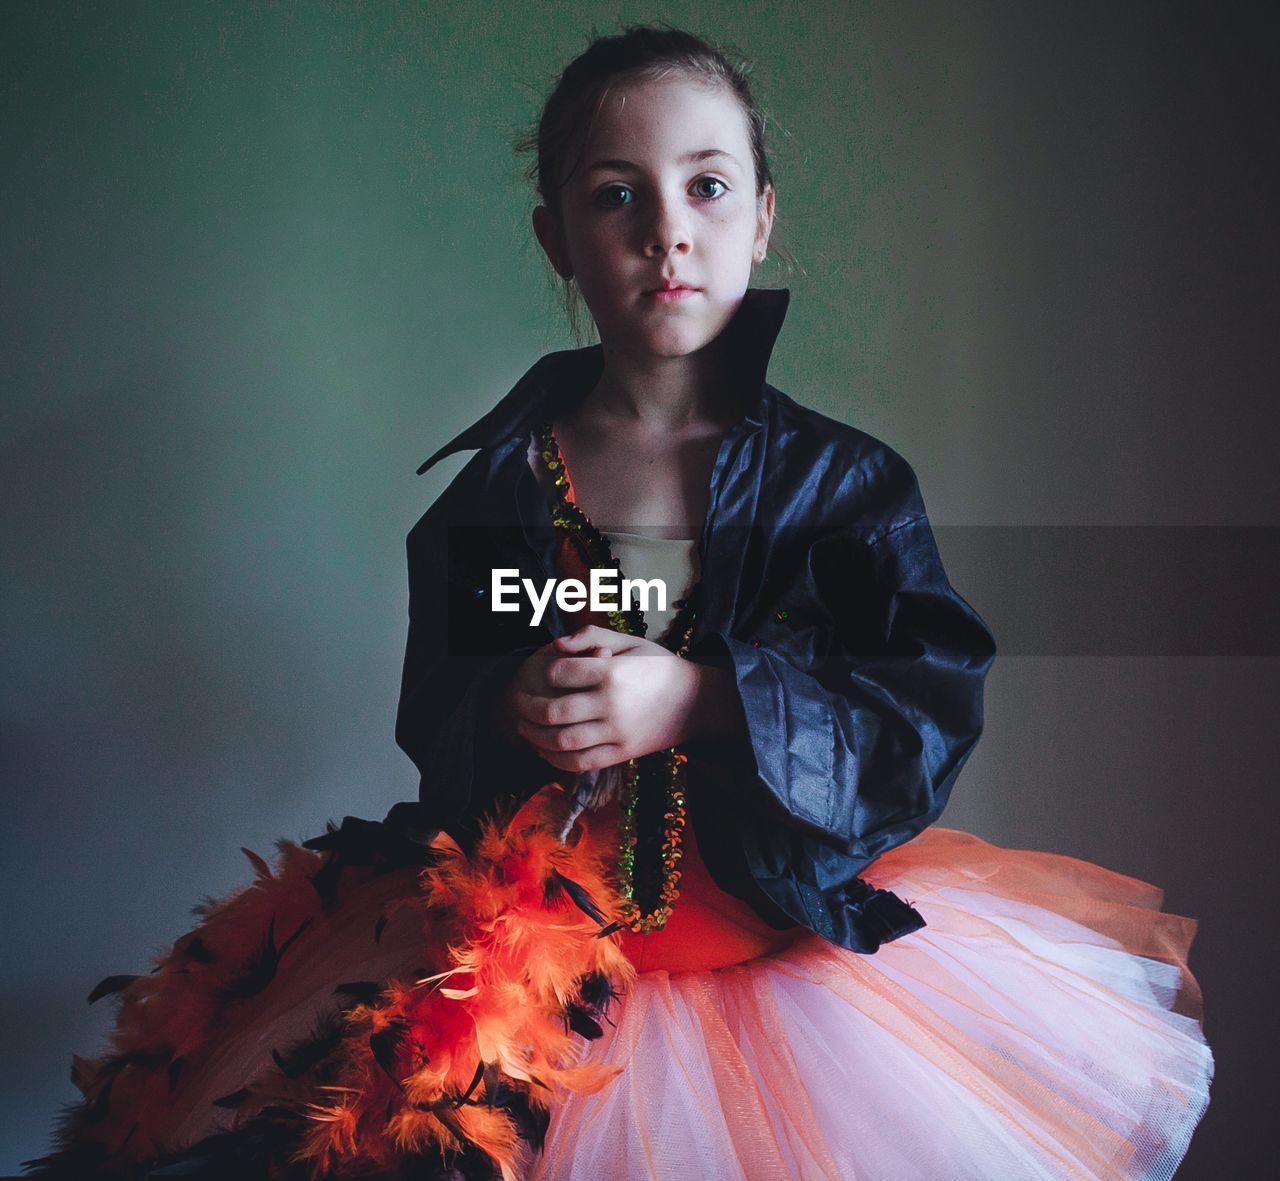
671 294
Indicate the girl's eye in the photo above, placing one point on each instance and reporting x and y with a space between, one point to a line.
614 196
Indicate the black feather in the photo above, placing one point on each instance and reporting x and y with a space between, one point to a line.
97 1109
582 1023
325 840
192 947
264 1146
385 1047
260 969
288 943
596 992
306 1055
446 1116
325 881
83 1072
233 1100
100 1106
361 992
581 899
80 1159
531 1123
382 846
111 984
309 1053
475 1082
204 906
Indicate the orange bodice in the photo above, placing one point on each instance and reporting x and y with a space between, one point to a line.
707 928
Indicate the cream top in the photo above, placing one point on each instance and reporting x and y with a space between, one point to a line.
672 559
642 554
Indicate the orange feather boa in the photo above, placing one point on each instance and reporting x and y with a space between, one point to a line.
458 1063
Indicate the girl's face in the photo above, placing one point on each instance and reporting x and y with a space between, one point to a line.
664 195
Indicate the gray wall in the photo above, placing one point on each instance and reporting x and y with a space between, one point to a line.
258 261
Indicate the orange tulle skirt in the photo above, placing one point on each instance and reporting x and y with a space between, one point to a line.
1044 1024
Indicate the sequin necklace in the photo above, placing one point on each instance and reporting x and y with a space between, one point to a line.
651 820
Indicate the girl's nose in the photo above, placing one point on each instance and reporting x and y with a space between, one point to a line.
668 232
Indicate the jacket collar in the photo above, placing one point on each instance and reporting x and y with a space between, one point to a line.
559 379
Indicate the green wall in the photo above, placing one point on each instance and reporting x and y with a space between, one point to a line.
258 260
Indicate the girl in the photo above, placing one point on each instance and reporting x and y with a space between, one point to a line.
710 932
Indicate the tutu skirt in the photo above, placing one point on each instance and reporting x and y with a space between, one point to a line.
363 1010
1042 1025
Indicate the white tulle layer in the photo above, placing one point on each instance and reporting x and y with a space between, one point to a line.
1031 1031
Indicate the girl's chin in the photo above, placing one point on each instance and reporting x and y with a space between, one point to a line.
665 348
665 341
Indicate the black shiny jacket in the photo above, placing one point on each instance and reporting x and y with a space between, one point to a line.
860 669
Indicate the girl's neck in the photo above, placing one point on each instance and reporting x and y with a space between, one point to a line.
665 394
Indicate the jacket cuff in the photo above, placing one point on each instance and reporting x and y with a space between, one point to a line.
791 728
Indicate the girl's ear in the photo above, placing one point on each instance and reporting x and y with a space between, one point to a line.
547 229
764 224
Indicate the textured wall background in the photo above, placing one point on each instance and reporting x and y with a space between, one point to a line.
258 260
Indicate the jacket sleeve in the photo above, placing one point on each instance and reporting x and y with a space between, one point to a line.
457 662
861 683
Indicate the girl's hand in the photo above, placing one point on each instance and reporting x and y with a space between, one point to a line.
597 697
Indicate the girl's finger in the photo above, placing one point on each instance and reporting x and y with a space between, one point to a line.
598 639
563 739
592 759
590 652
577 672
565 709
587 636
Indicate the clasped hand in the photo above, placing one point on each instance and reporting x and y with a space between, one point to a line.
597 697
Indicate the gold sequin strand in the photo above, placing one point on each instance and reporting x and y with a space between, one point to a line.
595 547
